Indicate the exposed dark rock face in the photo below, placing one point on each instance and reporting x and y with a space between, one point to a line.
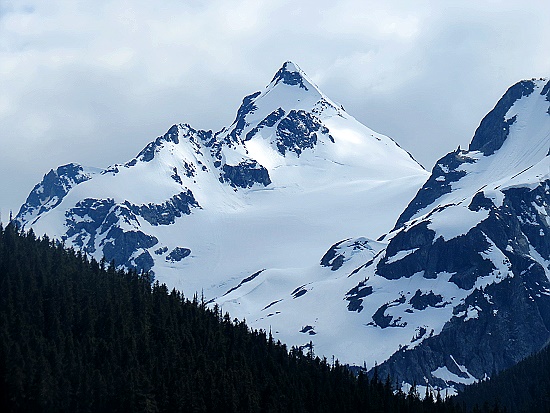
494 128
494 327
246 280
240 123
383 320
309 330
178 254
298 292
298 131
148 153
175 176
173 135
356 294
51 190
436 256
289 77
96 224
546 91
84 221
167 212
444 173
162 250
532 208
498 310
332 258
511 321
268 122
421 301
245 174
129 248
489 137
342 251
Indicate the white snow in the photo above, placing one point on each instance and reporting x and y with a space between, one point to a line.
353 187
521 161
472 312
400 255
455 220
445 374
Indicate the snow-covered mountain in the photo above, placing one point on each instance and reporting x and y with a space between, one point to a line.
264 197
460 287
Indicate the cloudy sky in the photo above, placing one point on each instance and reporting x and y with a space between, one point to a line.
94 81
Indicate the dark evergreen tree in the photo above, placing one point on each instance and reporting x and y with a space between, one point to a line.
77 335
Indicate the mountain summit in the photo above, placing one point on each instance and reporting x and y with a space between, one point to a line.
292 104
291 75
457 290
461 286
204 210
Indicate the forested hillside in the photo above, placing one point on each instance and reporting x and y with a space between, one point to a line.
77 335
523 388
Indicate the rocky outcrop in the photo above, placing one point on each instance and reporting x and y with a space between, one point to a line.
49 193
245 174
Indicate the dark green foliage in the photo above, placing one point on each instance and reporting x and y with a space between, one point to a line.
78 335
524 387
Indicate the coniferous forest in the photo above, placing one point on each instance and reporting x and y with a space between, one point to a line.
524 387
81 336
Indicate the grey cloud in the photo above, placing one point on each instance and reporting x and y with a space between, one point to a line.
95 82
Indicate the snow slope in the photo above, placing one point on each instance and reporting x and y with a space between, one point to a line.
245 214
459 289
464 275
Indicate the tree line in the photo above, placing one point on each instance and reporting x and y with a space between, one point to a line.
80 335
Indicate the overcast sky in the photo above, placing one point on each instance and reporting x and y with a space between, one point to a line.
94 81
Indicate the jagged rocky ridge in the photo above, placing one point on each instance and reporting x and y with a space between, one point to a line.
456 290
469 258
459 289
262 184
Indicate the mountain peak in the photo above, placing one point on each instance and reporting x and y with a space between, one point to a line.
290 97
495 127
290 74
290 66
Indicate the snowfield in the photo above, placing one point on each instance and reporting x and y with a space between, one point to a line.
248 215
